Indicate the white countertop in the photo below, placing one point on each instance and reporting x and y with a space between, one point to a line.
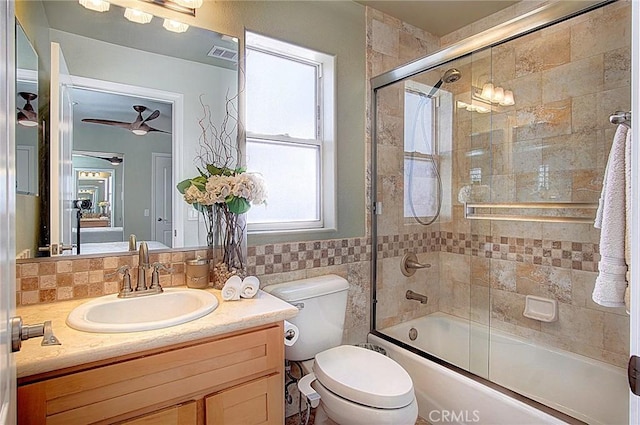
83 347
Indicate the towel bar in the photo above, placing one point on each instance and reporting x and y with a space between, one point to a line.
621 117
471 213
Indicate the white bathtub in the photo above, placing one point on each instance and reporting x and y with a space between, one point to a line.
589 390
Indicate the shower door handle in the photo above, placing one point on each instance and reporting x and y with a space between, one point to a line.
633 370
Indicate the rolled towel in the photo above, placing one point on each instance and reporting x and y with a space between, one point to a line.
250 286
231 289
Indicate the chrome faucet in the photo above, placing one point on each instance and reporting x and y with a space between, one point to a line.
143 265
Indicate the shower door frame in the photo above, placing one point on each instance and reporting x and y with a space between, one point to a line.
526 23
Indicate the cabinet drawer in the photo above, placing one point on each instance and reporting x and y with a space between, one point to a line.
154 381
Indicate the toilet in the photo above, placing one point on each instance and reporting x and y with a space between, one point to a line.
352 385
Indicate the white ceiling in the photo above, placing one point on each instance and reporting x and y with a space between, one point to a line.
436 16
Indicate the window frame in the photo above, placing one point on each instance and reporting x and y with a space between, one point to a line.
325 132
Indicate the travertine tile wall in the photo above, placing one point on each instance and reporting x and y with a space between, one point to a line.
566 80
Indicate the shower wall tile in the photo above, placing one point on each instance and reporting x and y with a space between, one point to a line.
527 89
617 68
579 325
601 32
507 307
385 38
536 53
576 78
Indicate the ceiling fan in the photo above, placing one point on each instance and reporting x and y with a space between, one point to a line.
114 160
27 116
139 127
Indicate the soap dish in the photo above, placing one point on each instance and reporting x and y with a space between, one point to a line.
539 308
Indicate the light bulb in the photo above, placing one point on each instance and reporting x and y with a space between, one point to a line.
498 95
95 5
508 98
174 26
137 16
487 91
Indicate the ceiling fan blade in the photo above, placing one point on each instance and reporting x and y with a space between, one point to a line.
155 114
120 124
113 160
149 129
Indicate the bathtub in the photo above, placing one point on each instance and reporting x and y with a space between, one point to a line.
586 389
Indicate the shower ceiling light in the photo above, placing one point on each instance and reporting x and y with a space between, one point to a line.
174 26
137 16
95 5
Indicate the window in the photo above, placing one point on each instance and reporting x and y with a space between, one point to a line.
420 160
290 134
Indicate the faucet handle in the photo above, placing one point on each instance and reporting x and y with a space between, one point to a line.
121 269
155 276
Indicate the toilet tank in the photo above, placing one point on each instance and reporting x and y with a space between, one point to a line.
321 303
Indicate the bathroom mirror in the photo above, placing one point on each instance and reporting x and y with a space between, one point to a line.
26 115
120 71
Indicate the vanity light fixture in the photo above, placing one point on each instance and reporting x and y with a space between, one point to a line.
137 16
95 5
495 94
175 26
27 117
139 132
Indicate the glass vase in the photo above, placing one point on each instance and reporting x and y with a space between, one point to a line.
230 245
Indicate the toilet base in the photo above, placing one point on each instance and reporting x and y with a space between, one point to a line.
343 412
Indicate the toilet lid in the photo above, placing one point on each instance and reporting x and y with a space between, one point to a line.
364 376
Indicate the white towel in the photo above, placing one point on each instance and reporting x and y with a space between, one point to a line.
612 217
250 286
231 289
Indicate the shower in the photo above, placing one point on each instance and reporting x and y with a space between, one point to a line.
498 243
451 75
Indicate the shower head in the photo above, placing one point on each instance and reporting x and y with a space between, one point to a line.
451 75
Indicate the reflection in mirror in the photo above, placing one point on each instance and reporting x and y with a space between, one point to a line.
151 69
26 140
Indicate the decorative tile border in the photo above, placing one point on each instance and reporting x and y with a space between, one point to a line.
286 257
64 278
564 254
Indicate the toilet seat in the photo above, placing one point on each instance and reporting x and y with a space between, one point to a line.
364 376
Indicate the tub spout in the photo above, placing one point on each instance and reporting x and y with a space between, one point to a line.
410 295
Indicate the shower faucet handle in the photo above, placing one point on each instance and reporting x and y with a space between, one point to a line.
410 264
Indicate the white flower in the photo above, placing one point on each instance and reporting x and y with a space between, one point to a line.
259 193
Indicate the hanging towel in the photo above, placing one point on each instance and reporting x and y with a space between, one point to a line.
612 218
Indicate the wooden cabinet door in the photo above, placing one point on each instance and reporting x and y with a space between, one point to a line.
256 402
184 414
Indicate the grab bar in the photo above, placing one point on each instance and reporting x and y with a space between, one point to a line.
470 212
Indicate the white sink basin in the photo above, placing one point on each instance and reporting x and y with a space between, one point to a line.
112 314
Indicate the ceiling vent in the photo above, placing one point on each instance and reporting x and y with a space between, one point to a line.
223 53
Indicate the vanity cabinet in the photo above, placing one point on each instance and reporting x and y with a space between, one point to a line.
235 378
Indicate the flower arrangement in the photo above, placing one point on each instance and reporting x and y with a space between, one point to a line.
235 188
223 191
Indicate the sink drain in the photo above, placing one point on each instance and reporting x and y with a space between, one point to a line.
413 334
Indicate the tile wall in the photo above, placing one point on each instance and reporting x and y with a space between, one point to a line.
566 80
